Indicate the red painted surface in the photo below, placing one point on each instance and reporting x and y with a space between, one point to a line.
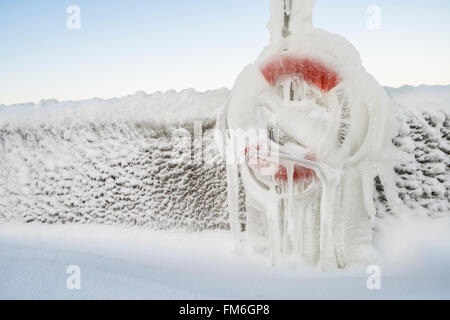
299 174
312 71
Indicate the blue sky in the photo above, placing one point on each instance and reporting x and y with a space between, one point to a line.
129 45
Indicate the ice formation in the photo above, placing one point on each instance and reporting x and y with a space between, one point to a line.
423 179
121 161
60 161
331 127
111 161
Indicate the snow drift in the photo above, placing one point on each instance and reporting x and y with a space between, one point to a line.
121 263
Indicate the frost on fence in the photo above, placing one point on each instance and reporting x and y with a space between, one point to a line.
113 162
59 164
423 181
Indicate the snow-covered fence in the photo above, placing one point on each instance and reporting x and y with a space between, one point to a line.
117 161
424 113
122 161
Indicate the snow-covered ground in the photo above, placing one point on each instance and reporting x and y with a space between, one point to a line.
118 263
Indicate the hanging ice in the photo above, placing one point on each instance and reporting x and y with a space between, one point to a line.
329 133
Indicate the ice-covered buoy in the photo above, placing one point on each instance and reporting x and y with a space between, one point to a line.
309 130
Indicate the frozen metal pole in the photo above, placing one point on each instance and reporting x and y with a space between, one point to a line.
288 17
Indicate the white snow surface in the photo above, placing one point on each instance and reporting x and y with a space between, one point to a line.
168 108
118 263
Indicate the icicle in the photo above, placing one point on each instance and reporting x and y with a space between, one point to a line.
292 93
338 222
298 233
326 223
287 90
297 90
233 205
274 232
233 191
289 207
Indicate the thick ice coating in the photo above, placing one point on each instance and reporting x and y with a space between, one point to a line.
330 125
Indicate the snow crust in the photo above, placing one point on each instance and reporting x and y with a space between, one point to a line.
159 109
119 263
